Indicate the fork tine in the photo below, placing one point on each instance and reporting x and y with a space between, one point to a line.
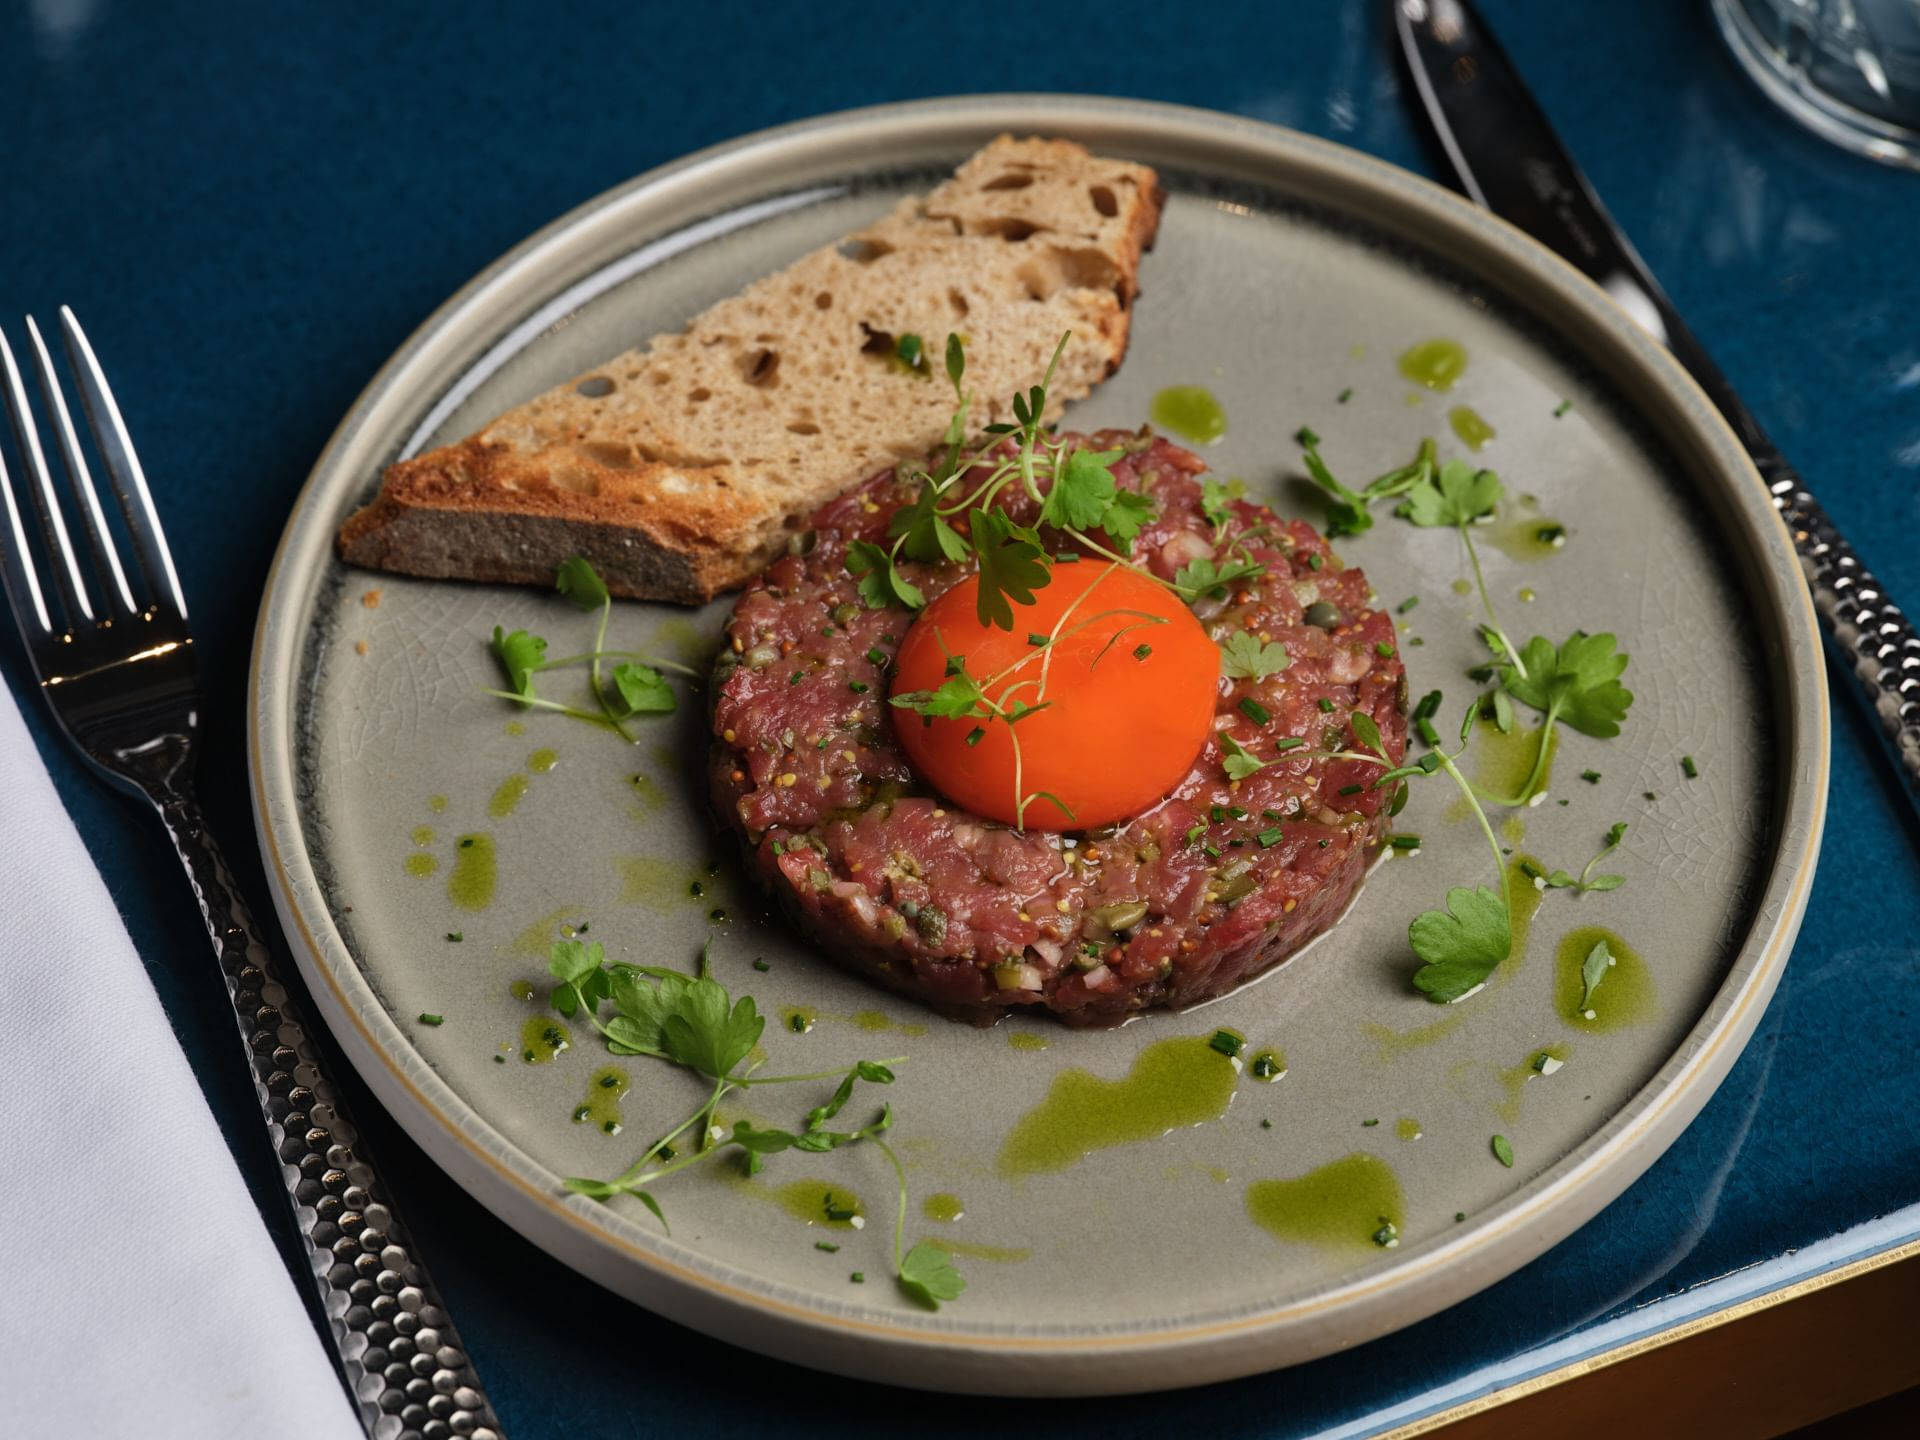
129 481
17 573
106 558
53 524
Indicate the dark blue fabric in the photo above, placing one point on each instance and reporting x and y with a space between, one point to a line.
252 206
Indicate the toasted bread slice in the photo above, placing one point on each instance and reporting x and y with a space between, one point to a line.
680 468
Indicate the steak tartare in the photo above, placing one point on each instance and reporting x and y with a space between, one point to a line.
1215 883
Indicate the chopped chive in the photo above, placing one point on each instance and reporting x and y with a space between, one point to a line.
1562 408
1269 838
1217 813
1288 742
826 1245
1405 842
426 1018
1254 711
455 936
1266 1124
1368 1124
1141 652
1688 768
858 1278
1387 1236
1429 706
1326 706
1271 815
1226 1042
877 656
1407 604
1383 650
976 735
1238 812
1592 777
1429 736
1067 557
1350 789
1344 396
858 687
1034 638
1195 833
779 847
1213 850
762 966
1314 562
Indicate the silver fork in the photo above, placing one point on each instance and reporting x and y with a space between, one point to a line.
114 657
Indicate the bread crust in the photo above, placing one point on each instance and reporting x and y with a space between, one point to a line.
680 468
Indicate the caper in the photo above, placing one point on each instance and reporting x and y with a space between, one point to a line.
844 612
1324 614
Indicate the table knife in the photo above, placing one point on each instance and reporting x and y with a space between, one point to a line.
1507 158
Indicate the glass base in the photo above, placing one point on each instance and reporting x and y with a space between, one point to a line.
1789 87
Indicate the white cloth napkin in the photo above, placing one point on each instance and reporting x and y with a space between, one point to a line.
140 1293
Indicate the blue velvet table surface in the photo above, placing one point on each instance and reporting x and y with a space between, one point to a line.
251 210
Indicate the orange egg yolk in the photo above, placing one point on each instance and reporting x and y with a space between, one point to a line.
1126 677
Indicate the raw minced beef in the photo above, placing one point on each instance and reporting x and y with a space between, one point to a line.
1217 882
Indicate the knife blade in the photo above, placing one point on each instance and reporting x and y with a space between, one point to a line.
1508 159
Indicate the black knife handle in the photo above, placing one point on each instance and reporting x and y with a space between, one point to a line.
1509 160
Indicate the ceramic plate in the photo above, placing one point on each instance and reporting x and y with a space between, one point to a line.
1288 272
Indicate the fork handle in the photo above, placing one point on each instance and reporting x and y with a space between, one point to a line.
406 1370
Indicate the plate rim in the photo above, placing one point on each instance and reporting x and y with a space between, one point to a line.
732 1303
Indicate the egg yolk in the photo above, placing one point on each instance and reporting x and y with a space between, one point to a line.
1126 677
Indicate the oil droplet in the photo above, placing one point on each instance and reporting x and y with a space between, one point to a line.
542 1038
423 835
470 886
1526 900
1340 1206
1408 1128
1473 431
1268 1065
1513 829
799 1018
1435 364
421 863
992 1254
542 760
521 989
537 939
1026 1040
1527 597
1173 1084
436 803
1190 411
666 759
1502 762
606 1088
1413 399
1514 1078
1393 1043
818 1203
652 797
514 727
1358 352
664 886
1463 587
1623 997
684 639
942 1207
879 1020
507 796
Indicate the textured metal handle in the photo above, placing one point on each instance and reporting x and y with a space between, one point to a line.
405 1368
1866 629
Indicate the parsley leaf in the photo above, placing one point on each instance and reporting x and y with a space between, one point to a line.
1216 502
1127 514
703 1034
1460 945
1578 682
1239 764
1082 490
643 690
1367 733
581 583
958 698
519 654
927 1275
1456 495
881 583
1012 566
1206 577
1246 657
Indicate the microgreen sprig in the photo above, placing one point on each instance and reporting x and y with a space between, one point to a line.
1347 510
637 687
692 1022
1459 496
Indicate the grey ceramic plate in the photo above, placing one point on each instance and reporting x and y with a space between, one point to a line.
1287 272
